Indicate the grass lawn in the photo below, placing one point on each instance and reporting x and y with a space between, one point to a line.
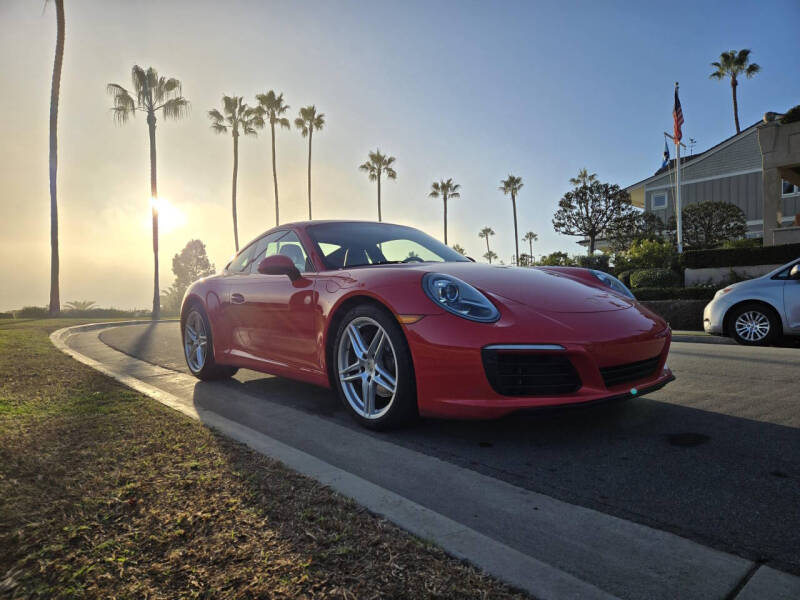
105 493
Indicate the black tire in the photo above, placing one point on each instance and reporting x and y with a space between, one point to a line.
756 313
210 370
402 409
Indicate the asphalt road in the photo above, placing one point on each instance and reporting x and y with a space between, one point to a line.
714 456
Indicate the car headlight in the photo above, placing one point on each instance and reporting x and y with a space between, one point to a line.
459 298
612 282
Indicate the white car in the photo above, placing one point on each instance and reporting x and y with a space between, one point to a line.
759 311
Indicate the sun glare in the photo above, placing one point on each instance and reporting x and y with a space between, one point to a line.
169 217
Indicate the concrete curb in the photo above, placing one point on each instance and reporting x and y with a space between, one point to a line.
704 339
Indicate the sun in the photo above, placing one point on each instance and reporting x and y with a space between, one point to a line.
169 216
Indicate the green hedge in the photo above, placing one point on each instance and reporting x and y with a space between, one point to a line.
674 293
740 257
654 278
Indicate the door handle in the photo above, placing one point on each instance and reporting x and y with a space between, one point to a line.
237 298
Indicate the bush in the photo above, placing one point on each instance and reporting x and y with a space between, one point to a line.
595 261
744 243
651 254
675 293
711 224
655 278
6 315
557 259
625 276
31 312
740 257
791 115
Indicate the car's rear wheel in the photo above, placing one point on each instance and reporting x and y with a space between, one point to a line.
373 369
198 349
754 325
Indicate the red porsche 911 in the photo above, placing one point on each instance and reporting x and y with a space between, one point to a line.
401 325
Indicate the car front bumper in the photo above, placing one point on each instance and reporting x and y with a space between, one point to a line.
714 316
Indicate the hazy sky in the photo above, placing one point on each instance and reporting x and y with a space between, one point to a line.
468 90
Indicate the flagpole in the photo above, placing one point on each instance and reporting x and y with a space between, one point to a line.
679 216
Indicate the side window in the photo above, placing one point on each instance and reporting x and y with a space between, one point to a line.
286 243
241 263
259 248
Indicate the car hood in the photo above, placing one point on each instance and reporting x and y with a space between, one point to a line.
540 290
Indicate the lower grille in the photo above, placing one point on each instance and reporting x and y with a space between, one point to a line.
630 372
530 374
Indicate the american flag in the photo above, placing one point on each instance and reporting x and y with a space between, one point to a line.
677 114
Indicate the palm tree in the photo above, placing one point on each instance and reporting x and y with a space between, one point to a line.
732 64
81 304
377 165
444 190
55 295
307 122
583 178
272 106
151 94
485 233
530 237
490 255
460 249
512 185
239 118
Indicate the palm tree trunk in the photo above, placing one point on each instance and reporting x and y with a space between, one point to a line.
516 233
275 175
530 244
151 125
487 244
55 295
734 83
310 133
233 190
445 220
379 198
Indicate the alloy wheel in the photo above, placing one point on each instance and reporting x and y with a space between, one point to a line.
195 341
367 368
752 326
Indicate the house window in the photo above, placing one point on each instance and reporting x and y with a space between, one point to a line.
659 200
789 188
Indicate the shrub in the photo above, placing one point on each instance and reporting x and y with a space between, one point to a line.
791 115
594 261
557 259
675 293
740 257
710 224
744 243
31 312
6 315
625 276
651 254
655 278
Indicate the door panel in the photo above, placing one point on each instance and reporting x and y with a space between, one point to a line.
791 303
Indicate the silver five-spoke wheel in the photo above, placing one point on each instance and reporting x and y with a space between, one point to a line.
752 326
367 368
195 341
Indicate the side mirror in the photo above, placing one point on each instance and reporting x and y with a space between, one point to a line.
795 272
279 264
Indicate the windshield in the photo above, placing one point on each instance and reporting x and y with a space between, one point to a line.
345 245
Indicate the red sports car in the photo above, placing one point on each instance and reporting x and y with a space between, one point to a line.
401 325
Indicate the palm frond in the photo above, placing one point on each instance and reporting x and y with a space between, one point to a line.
391 173
751 70
283 122
219 128
176 108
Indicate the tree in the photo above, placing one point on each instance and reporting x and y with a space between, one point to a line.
525 260
55 88
710 224
557 259
460 249
484 234
272 106
444 190
635 226
511 186
583 178
589 208
151 94
490 256
189 265
238 118
530 237
733 64
377 165
307 122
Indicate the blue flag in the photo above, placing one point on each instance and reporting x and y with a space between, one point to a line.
666 154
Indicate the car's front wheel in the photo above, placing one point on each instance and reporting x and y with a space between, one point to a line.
754 325
373 369
198 349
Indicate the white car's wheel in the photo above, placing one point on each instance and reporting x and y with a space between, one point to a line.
754 325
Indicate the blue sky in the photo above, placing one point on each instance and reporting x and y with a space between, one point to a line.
468 90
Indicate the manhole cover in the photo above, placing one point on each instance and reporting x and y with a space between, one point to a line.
687 440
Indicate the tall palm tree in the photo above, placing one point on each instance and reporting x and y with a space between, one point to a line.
444 190
732 64
151 94
490 255
583 178
512 185
238 118
272 106
460 249
530 237
485 233
55 295
307 122
377 165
